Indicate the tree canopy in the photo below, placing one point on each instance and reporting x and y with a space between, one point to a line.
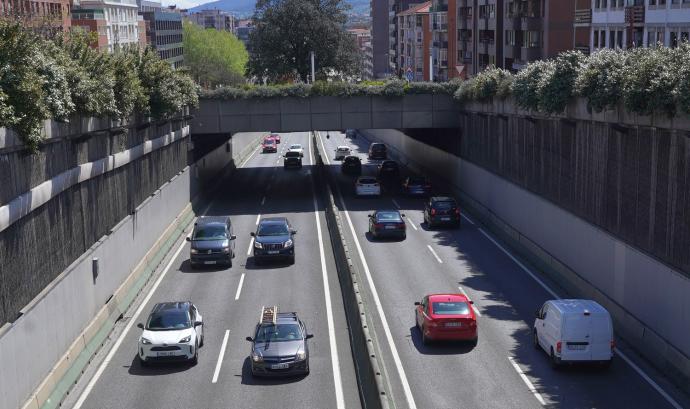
214 57
285 33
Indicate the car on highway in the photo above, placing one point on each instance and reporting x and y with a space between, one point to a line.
292 159
273 239
417 186
351 165
174 331
441 210
574 331
387 223
212 241
367 186
378 151
275 136
389 170
446 317
296 147
269 145
341 152
279 345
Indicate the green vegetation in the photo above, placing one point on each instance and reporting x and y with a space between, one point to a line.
42 79
285 33
214 57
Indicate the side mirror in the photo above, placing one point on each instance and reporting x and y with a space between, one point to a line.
293 231
417 303
403 215
370 215
197 323
188 238
252 234
249 339
309 336
140 325
537 313
471 302
233 237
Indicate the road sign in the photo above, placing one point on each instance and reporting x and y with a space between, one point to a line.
409 75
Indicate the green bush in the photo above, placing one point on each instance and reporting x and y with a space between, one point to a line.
490 83
601 79
527 82
650 81
557 84
682 91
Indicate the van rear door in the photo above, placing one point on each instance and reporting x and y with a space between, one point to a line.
601 333
576 337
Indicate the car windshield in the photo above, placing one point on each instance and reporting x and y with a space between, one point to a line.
388 217
292 154
278 333
378 147
343 149
272 229
210 232
367 181
168 320
450 308
296 146
443 205
417 181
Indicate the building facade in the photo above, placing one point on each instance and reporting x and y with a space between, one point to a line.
92 20
118 20
362 38
216 19
242 30
414 42
164 34
382 26
47 16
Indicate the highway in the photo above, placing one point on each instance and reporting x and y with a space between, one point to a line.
504 370
230 301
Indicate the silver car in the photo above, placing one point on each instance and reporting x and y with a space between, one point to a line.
367 186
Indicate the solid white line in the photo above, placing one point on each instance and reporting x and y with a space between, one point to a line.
412 224
129 325
434 253
258 216
251 244
379 308
324 155
263 200
474 306
239 288
339 396
468 219
221 354
250 156
537 279
529 384
395 203
636 368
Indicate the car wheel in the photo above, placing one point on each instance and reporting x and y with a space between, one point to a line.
474 342
195 359
292 260
192 266
143 362
555 362
425 339
201 344
230 262
404 236
536 340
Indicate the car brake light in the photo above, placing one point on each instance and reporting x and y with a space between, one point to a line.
433 212
457 211
401 225
613 344
558 347
378 225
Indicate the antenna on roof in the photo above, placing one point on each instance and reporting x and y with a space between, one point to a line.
269 315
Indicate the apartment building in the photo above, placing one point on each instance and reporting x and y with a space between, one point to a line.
414 42
362 37
164 34
217 19
45 16
382 26
118 23
634 23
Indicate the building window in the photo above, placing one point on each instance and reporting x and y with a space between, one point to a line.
510 37
596 39
532 38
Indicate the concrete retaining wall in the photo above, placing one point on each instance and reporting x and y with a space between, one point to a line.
585 260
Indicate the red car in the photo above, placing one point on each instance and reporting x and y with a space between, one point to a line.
446 317
275 136
269 145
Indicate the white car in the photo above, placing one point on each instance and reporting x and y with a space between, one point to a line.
572 331
341 152
174 331
296 147
367 186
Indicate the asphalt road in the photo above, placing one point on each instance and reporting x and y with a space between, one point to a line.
260 187
504 370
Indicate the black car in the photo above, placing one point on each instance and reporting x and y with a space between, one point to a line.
417 185
378 151
351 165
389 170
279 345
213 241
441 210
273 240
387 223
292 159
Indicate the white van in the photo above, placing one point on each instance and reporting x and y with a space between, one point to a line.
573 331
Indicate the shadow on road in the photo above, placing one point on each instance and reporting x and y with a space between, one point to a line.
249 379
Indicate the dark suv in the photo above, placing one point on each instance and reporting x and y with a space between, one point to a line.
440 210
279 345
213 241
273 239
292 158
389 170
351 165
378 151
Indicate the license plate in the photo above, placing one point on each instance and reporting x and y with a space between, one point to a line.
445 219
167 353
279 366
576 347
453 324
273 252
210 262
390 227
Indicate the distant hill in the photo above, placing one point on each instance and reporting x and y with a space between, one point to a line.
245 8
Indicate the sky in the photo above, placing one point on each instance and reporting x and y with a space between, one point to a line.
184 4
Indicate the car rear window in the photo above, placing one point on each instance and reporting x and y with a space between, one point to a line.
444 205
367 181
352 159
278 333
450 308
388 216
378 147
210 232
169 320
269 142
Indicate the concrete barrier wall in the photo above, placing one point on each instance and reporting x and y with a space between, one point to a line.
586 260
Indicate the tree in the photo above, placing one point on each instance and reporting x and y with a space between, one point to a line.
214 57
285 33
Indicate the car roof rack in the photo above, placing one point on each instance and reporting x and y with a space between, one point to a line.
269 315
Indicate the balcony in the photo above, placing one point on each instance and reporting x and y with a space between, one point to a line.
440 27
583 18
531 23
529 54
634 15
439 8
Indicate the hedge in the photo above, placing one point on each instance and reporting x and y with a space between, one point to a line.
56 78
